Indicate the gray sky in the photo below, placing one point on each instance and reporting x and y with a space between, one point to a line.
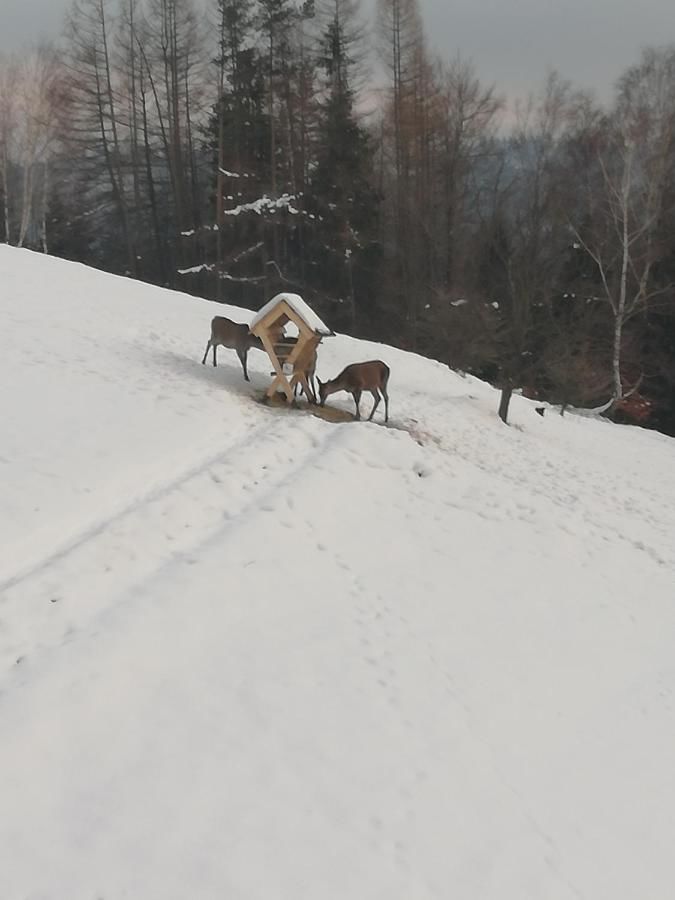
511 42
514 42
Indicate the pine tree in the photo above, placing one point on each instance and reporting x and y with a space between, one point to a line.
343 198
274 20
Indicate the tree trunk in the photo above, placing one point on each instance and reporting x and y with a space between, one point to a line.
135 157
194 206
221 163
151 182
184 220
26 202
273 144
504 400
620 308
45 201
5 192
617 389
273 130
116 153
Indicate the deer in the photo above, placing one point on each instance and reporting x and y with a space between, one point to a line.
234 336
308 364
370 376
310 372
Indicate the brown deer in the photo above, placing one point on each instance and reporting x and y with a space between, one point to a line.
310 372
306 362
370 376
226 333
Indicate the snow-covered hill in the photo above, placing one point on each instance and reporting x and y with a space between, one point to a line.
247 654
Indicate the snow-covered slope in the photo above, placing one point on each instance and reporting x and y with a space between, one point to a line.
247 654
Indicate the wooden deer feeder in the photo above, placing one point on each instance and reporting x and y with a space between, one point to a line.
290 356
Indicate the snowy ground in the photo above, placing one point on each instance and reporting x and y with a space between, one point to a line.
247 654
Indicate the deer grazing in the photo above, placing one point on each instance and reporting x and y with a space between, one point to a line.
370 376
226 333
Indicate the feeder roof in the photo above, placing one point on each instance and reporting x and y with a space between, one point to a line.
298 305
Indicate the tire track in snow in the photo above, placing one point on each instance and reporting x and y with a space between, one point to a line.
98 526
47 605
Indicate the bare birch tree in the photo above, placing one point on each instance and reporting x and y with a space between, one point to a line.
8 114
36 99
635 157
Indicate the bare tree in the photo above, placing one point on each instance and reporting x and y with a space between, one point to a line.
526 234
406 133
8 114
470 116
37 78
620 226
171 49
93 116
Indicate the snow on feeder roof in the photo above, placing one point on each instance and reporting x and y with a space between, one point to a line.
299 307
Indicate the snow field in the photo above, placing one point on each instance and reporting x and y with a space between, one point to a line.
246 653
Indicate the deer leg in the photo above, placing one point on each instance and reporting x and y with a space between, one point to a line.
206 352
376 398
386 403
214 353
357 399
242 359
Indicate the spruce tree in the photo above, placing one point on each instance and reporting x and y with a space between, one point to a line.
342 196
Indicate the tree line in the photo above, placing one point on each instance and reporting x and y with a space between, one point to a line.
261 145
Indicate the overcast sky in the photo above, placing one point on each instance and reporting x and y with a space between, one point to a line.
511 42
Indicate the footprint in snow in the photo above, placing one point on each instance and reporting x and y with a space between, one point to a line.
421 470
